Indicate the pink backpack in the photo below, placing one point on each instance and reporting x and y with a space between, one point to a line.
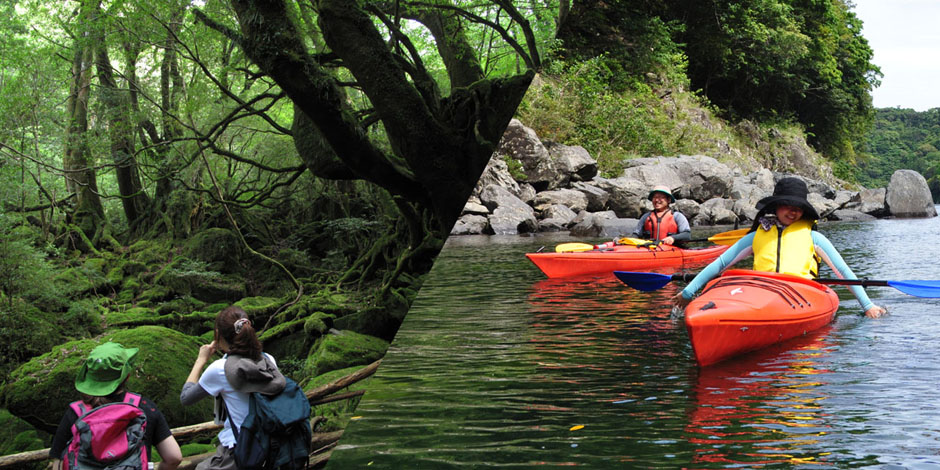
110 436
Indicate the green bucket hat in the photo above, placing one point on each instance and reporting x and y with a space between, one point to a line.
661 189
105 369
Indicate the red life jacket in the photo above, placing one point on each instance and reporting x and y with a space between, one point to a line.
660 227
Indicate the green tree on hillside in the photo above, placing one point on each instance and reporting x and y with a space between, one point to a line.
800 60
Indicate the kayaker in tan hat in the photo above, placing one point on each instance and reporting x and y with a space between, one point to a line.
663 224
783 239
102 380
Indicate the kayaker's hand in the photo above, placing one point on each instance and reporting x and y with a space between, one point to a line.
668 241
679 301
875 312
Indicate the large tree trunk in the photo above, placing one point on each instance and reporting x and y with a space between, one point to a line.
439 147
79 164
121 132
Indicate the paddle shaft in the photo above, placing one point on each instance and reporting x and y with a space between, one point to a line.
686 277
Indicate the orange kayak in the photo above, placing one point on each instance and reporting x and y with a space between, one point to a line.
744 310
622 258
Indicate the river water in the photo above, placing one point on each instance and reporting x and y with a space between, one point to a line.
497 366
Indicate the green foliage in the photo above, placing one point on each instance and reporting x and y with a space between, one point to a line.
576 105
901 139
16 435
24 269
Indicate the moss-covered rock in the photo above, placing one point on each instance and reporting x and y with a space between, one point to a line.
344 349
133 315
286 340
40 390
151 252
260 307
381 322
26 332
218 247
17 435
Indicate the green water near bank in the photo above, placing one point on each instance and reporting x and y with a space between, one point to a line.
497 366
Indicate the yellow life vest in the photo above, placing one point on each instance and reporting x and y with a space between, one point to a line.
789 250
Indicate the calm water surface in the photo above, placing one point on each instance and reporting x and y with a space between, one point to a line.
497 366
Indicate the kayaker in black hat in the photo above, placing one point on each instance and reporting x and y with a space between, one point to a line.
782 239
663 224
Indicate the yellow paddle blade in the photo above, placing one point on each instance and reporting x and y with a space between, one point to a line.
573 247
728 238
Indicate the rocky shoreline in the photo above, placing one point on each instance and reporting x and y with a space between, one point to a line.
558 188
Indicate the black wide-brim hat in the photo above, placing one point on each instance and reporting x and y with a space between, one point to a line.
790 192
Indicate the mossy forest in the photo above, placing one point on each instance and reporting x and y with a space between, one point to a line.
306 160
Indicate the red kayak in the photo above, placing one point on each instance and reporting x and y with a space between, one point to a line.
744 310
622 258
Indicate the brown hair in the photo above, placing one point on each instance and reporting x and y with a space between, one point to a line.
94 401
245 342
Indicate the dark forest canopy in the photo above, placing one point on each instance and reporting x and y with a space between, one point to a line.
127 120
801 60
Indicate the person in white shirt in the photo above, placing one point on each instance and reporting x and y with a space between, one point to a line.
243 368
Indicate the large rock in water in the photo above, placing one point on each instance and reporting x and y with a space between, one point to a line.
909 196
40 390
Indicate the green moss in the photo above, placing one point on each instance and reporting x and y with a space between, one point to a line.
84 315
316 324
151 252
339 413
218 247
182 306
257 307
77 280
196 449
17 435
39 391
338 351
115 276
130 315
330 376
155 294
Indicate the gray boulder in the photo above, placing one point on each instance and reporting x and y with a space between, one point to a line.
597 197
909 196
869 201
575 200
573 162
850 215
523 145
510 215
470 224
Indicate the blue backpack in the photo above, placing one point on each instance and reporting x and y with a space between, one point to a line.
276 433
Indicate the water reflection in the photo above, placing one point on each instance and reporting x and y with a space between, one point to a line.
765 408
496 366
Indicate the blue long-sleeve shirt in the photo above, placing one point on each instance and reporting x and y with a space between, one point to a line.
743 248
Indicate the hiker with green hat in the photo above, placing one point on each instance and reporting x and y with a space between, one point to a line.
662 224
102 380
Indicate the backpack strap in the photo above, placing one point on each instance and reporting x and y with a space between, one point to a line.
78 407
132 398
231 423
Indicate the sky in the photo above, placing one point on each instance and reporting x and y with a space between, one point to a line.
905 38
